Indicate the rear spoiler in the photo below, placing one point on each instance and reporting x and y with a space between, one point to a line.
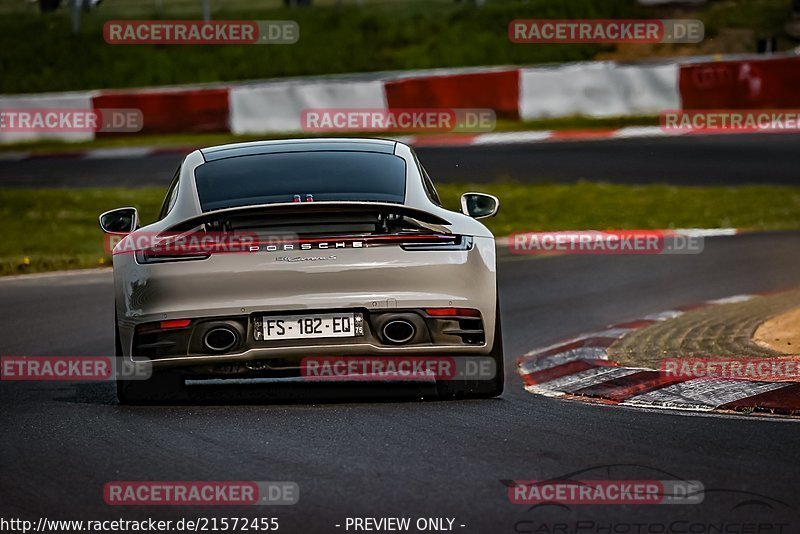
294 208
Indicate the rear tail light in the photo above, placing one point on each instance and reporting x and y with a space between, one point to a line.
408 241
172 324
175 323
452 312
199 245
154 256
192 247
437 242
171 248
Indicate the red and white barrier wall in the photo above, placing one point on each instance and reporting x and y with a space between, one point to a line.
494 89
601 89
277 106
766 84
593 89
77 100
172 110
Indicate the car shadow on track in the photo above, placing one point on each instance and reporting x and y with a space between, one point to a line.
272 393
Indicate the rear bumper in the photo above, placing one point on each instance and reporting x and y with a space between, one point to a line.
377 283
186 344
288 362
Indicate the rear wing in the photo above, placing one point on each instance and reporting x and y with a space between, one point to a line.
284 209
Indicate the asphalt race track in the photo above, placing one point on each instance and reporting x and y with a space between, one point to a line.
364 458
692 160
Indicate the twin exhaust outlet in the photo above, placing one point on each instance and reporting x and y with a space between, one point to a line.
398 331
220 339
223 338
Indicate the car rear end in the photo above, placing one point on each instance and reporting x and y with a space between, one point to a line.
336 263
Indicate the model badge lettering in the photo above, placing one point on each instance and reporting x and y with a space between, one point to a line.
300 258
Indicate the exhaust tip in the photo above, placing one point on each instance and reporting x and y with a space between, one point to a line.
220 339
398 331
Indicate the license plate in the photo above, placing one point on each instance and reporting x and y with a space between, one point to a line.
311 326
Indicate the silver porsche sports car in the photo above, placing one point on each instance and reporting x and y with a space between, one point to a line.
267 253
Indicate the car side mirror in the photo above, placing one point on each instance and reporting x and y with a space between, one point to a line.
479 205
119 221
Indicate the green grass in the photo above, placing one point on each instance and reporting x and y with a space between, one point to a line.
49 229
599 206
192 8
334 39
762 16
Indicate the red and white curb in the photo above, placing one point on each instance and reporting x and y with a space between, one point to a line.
98 153
536 136
579 369
444 140
551 136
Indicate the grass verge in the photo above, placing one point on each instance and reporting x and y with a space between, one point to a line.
351 38
51 229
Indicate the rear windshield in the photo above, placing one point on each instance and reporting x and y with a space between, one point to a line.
270 178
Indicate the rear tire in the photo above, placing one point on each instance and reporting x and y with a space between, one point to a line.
161 388
479 389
